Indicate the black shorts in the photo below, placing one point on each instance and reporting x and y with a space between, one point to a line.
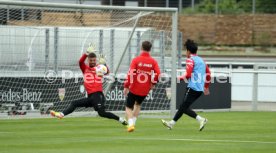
95 100
132 98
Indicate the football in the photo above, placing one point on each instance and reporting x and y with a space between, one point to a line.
101 70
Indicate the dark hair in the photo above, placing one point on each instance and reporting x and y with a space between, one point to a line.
191 46
92 55
146 46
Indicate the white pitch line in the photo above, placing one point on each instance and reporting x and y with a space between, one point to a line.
202 140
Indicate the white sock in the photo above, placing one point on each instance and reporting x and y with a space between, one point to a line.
172 122
199 118
134 120
61 114
121 120
130 122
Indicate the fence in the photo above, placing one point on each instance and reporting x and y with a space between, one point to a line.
253 84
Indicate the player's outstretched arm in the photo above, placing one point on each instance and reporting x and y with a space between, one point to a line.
90 49
81 62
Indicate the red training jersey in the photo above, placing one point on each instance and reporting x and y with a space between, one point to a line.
92 82
143 73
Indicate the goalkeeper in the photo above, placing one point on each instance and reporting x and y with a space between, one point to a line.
93 86
142 76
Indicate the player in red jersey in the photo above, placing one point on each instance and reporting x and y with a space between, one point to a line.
93 86
142 76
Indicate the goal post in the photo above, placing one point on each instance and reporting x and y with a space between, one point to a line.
41 44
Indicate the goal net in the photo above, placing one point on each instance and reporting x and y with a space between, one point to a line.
41 44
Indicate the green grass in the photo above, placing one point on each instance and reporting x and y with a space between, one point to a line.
229 132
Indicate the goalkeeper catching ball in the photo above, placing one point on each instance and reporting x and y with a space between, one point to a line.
93 85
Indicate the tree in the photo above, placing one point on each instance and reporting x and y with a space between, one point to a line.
233 6
261 6
209 6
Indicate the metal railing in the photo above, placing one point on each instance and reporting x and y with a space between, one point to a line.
251 6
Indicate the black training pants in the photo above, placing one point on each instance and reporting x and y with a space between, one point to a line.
95 100
190 97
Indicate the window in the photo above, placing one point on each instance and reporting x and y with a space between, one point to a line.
97 2
131 3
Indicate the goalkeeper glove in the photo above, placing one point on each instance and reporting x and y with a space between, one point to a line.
90 49
102 59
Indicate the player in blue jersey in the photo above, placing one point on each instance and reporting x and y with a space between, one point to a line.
198 76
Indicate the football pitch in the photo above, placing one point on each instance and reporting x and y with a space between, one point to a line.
229 132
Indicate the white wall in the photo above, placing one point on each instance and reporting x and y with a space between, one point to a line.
242 87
